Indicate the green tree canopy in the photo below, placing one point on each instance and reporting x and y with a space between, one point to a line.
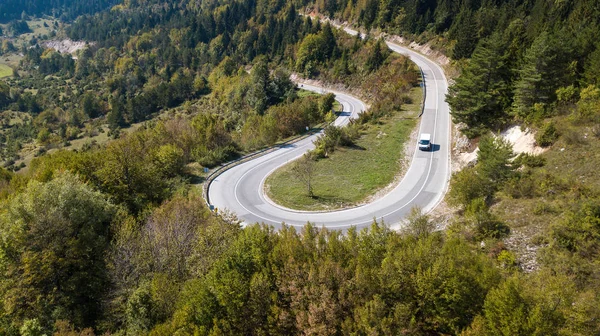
54 237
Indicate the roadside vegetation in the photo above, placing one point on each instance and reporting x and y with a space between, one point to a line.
367 158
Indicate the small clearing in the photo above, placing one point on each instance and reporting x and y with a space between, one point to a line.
522 141
5 71
66 45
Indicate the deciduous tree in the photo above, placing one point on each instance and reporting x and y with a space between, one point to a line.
303 170
54 239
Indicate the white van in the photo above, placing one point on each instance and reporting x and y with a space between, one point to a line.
425 141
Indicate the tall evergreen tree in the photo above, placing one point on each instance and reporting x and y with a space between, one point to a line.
328 41
115 115
377 57
494 159
368 15
480 95
592 67
535 75
465 35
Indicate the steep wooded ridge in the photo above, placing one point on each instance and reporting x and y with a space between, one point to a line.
112 237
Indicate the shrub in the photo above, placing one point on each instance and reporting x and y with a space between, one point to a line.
350 134
541 208
465 186
596 131
486 225
566 94
588 104
529 160
550 185
333 137
43 135
211 158
573 137
41 151
547 135
520 187
406 99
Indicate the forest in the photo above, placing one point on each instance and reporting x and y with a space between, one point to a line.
114 238
64 9
526 60
219 58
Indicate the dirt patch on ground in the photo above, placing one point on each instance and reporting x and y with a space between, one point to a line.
465 150
526 252
523 141
66 45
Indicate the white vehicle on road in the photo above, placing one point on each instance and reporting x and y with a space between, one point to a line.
425 142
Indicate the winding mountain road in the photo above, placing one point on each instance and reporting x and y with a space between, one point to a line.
240 188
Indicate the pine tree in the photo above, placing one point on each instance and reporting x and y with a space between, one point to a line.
115 116
592 67
466 38
480 95
494 159
376 57
443 15
533 85
328 41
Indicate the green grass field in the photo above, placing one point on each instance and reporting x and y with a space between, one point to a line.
350 175
5 71
305 93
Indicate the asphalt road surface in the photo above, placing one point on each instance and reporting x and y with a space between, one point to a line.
240 189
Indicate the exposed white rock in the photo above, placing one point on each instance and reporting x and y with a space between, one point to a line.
66 46
522 141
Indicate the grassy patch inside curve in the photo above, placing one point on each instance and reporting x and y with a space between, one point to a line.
351 174
306 93
5 71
